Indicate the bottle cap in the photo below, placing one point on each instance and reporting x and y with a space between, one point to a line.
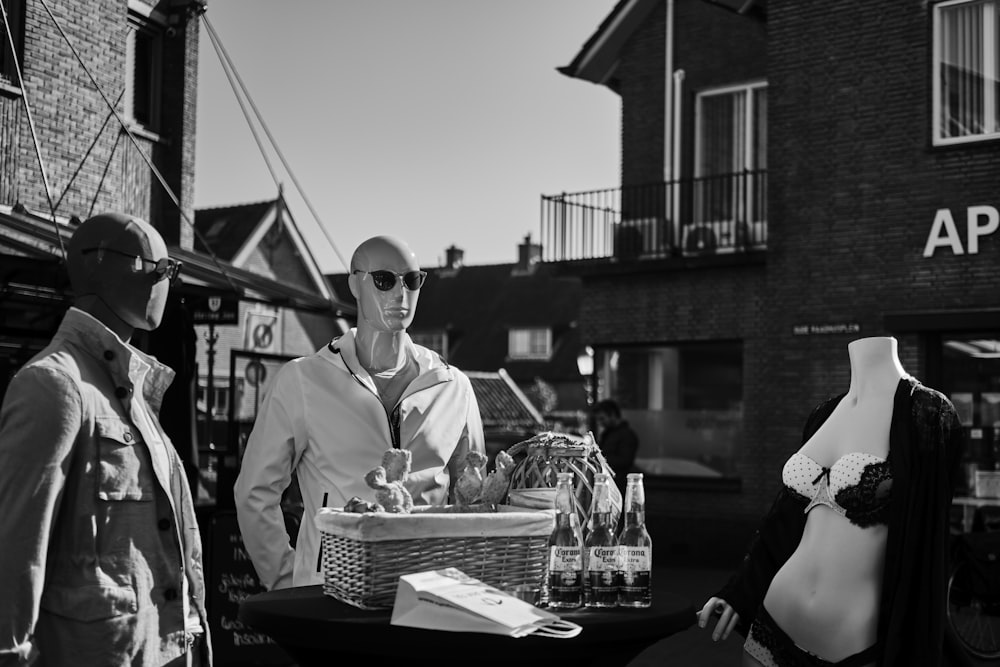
634 475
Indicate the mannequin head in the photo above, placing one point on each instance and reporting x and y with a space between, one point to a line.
386 303
120 272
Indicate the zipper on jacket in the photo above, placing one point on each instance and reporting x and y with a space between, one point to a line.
391 418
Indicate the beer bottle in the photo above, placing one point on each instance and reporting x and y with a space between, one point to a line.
635 585
565 581
601 549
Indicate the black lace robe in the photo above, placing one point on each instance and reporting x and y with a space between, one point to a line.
925 444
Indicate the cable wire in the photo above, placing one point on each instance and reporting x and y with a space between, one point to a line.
274 144
31 127
135 143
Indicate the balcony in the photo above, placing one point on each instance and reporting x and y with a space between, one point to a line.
701 216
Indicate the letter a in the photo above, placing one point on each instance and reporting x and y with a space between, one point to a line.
934 240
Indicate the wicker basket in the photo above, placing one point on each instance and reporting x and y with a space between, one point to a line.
541 457
364 554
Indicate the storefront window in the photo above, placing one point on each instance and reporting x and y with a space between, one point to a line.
971 379
685 402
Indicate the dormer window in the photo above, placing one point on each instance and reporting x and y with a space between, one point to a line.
530 343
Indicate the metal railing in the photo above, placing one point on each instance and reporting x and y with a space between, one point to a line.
697 216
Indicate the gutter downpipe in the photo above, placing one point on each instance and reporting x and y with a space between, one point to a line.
678 105
668 119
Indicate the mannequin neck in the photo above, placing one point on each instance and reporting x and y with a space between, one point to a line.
875 366
380 351
98 308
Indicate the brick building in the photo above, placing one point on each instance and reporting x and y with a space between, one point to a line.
812 174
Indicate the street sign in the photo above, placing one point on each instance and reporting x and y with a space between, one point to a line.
214 309
255 373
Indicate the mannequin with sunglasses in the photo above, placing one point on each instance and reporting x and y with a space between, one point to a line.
329 417
101 551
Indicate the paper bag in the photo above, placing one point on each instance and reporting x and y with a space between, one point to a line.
452 601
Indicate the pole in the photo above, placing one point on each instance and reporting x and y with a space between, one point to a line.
211 337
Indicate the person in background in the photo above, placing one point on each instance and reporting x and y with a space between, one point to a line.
329 418
101 555
618 442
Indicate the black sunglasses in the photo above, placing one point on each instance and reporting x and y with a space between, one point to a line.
386 280
164 268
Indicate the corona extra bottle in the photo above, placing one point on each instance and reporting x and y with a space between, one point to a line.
601 549
635 585
565 582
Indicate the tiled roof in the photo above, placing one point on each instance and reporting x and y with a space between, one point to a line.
502 406
226 229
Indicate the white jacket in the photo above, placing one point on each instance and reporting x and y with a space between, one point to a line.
322 419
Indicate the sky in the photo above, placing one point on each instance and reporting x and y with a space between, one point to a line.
441 122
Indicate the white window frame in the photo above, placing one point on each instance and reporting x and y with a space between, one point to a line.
744 203
989 39
519 343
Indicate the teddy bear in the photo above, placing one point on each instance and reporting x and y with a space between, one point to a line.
388 481
470 481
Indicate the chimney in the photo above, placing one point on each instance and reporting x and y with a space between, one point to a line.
453 257
528 254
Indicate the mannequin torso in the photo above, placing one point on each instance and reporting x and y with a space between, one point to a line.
826 595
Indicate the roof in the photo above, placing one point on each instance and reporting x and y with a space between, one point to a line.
502 406
234 232
226 229
477 305
597 60
33 237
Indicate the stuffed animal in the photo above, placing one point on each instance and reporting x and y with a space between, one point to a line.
496 483
397 464
393 496
470 482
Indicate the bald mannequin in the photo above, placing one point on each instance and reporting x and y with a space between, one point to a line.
102 551
383 316
104 276
331 416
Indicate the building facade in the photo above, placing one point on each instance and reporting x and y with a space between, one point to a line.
794 176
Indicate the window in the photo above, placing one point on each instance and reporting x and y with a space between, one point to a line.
143 57
965 71
15 16
534 343
432 340
685 402
731 163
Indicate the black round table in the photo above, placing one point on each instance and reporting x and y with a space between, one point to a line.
318 630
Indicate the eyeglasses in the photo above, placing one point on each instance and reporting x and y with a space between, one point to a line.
163 268
386 280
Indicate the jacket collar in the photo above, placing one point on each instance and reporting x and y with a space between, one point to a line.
125 364
433 369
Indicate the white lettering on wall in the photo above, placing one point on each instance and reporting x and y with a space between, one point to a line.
976 230
980 221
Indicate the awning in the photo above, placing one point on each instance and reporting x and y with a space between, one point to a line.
31 260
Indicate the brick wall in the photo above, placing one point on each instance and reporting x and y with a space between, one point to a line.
91 166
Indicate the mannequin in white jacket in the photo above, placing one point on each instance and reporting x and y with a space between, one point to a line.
330 416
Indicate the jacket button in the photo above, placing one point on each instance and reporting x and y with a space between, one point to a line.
163 524
126 436
109 355
170 594
121 392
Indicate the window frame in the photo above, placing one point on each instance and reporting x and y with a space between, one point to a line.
149 29
991 99
528 355
8 72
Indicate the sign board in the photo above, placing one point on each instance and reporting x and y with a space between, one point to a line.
215 309
826 328
231 579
